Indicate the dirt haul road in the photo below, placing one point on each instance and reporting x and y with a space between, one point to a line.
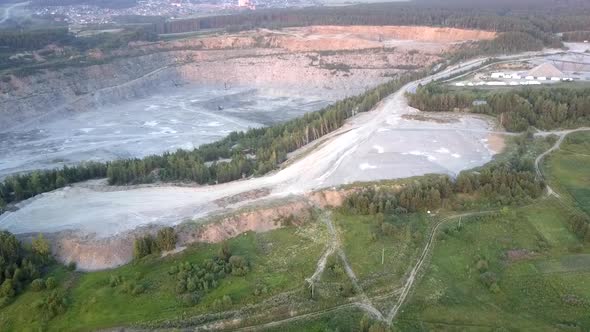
381 144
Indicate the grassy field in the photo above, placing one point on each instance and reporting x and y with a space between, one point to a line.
280 260
497 272
341 320
568 169
364 245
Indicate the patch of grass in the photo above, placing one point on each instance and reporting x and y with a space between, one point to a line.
340 320
548 220
567 263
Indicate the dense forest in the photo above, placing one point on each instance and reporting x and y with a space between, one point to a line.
537 20
516 110
36 39
543 16
20 187
241 154
33 39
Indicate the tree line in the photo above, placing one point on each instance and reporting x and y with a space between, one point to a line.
545 16
20 187
538 19
517 110
33 39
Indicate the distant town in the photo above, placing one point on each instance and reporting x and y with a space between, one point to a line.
173 9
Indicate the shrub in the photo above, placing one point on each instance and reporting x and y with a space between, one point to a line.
494 288
4 301
239 265
181 286
225 252
143 246
488 278
190 299
388 229
482 265
50 283
7 289
166 239
334 265
346 289
53 305
139 289
191 285
72 266
37 285
115 280
260 289
128 287
40 246
226 301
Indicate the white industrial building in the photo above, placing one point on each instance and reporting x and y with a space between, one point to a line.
542 73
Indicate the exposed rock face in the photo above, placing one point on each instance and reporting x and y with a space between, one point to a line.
92 254
78 88
258 220
344 60
329 198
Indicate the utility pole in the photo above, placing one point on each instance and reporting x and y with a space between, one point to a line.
383 256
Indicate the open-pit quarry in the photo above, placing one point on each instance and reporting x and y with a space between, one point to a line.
179 94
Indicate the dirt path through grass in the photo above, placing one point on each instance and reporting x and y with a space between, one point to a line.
414 272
